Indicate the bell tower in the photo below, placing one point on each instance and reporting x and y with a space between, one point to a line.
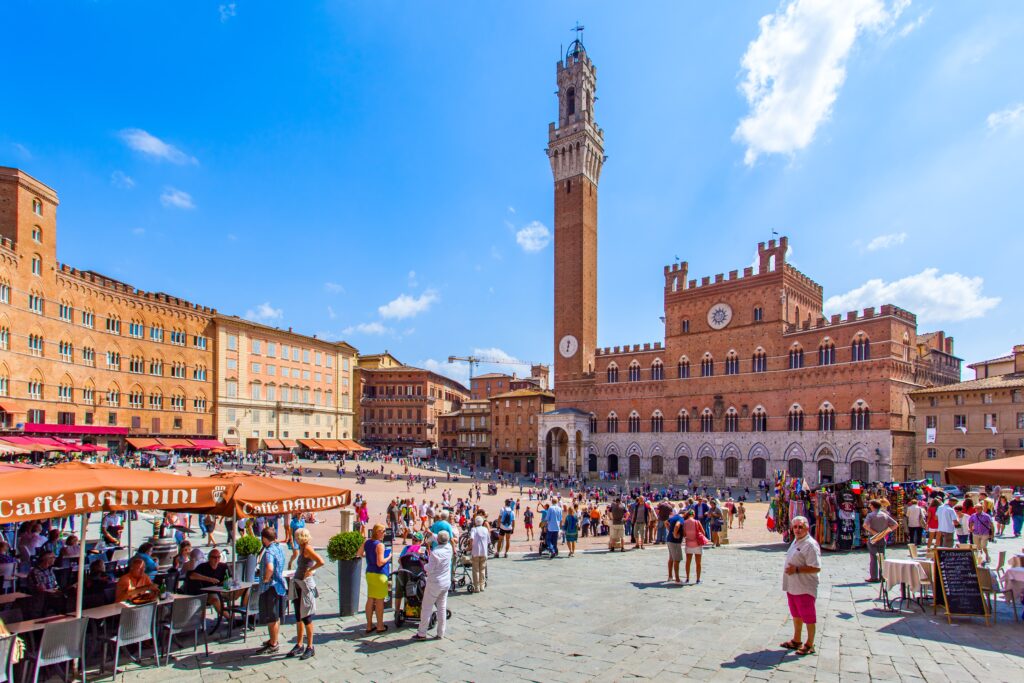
576 151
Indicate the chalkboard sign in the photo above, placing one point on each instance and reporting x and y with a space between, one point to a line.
958 578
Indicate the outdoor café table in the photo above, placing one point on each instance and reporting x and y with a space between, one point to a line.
8 598
907 573
1017 560
1013 580
228 596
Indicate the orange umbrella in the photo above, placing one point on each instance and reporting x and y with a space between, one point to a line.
1006 471
75 488
255 496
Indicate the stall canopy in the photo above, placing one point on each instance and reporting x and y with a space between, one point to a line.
1007 471
38 444
141 444
75 488
12 449
312 445
206 444
273 445
352 446
255 496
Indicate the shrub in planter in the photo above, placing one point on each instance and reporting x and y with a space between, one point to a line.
342 548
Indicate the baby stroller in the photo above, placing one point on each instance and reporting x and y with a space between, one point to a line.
411 579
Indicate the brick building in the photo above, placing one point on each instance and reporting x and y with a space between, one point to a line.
276 385
967 422
514 417
750 377
83 355
466 433
400 405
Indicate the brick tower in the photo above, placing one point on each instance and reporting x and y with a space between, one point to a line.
576 151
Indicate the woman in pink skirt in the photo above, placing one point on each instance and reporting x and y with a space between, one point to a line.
800 582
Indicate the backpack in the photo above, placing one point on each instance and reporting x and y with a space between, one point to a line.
506 517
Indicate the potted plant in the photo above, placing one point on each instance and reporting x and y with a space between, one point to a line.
342 548
247 547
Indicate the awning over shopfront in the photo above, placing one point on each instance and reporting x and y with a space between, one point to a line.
272 444
352 446
331 444
11 408
289 443
256 496
206 444
141 444
12 449
40 428
312 445
176 444
37 444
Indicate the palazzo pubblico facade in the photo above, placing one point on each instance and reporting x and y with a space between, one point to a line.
751 376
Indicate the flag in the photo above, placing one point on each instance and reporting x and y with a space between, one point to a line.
770 518
962 429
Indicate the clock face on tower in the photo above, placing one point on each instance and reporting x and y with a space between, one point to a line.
719 316
568 346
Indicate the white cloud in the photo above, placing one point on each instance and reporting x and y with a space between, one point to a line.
406 306
367 328
533 237
511 209
22 151
227 10
334 288
457 371
121 180
934 297
264 312
153 147
886 241
912 26
179 199
795 67
1011 118
493 353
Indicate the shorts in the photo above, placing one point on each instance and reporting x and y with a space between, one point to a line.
505 532
616 535
270 606
675 551
802 607
528 525
376 586
694 550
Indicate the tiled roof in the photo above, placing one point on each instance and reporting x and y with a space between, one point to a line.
1001 359
523 393
1012 381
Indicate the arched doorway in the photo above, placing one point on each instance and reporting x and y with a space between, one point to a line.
613 463
592 462
859 471
556 456
634 466
795 467
826 471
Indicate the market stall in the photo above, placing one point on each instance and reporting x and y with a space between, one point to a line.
1002 471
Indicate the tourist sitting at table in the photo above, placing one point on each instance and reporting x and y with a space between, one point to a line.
99 586
29 542
42 583
206 575
5 553
135 583
71 549
184 561
53 543
150 564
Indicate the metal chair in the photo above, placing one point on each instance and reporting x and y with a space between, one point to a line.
62 643
137 625
6 657
250 610
187 615
7 578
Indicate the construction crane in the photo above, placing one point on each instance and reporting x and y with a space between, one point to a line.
476 360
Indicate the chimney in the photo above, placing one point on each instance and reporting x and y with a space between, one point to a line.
1018 358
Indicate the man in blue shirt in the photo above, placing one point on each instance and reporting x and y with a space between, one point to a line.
554 524
271 588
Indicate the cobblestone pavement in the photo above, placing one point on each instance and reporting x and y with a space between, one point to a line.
608 617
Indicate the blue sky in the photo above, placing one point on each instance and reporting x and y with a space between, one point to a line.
375 171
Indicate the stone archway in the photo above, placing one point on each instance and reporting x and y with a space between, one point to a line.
556 451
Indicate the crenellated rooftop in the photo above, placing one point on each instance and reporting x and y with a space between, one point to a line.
821 323
635 348
102 281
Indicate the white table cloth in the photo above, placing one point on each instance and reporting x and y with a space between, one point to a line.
909 572
1013 579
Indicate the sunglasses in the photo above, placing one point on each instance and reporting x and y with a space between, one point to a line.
799 526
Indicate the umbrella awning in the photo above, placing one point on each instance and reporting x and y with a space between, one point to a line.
1007 471
256 496
206 444
74 488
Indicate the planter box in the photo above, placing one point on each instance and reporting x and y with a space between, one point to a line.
350 580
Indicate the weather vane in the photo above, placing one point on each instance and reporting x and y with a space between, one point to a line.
579 31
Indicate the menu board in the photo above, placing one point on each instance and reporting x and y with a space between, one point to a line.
958 576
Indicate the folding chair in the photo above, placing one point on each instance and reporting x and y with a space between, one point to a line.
188 615
6 657
137 625
62 643
250 610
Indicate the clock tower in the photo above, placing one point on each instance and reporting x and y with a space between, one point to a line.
576 151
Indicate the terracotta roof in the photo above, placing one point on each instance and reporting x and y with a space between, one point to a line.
492 375
523 393
1011 381
1001 359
